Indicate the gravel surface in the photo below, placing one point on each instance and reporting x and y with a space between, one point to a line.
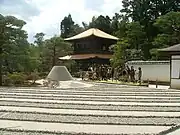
103 87
160 94
88 96
92 102
92 99
107 90
88 112
83 128
82 119
99 88
101 97
25 133
91 107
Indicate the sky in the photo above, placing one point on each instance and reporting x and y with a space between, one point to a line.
45 15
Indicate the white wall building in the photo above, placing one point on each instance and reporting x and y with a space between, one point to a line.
175 71
174 52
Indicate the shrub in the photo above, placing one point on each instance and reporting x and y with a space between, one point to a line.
16 78
6 81
76 74
33 77
20 79
43 74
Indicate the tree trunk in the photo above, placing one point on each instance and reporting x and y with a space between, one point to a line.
0 66
54 56
8 67
1 50
0 75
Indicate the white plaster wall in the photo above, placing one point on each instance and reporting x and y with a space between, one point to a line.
175 72
153 72
175 83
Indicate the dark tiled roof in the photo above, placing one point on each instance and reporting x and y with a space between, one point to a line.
174 48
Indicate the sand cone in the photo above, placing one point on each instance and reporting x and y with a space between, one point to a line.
59 73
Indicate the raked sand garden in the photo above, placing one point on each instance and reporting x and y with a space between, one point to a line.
78 107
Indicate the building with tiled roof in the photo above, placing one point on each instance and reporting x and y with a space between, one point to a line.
174 53
91 46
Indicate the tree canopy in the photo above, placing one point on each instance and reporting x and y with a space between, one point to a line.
69 28
13 45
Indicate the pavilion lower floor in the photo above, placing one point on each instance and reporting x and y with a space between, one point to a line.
92 62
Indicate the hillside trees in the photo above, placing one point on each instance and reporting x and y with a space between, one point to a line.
151 25
101 22
132 44
146 12
169 27
18 55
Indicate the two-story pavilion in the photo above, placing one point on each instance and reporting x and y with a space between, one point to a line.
91 46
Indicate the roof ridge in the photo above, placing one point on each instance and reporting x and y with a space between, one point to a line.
93 31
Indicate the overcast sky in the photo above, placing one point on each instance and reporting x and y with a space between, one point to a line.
46 15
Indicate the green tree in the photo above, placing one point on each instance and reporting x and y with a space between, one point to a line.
85 25
122 28
101 22
76 29
13 44
36 51
16 59
146 12
134 34
120 55
138 41
39 39
69 28
115 22
169 27
34 58
66 26
54 48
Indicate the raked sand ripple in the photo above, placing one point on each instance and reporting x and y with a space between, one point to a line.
79 107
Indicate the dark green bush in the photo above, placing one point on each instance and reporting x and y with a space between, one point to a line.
43 74
76 74
17 78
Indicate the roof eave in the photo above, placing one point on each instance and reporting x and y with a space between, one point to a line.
73 39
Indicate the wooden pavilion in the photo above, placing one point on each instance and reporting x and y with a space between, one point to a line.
174 54
91 47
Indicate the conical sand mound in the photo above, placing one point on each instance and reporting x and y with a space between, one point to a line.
59 73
